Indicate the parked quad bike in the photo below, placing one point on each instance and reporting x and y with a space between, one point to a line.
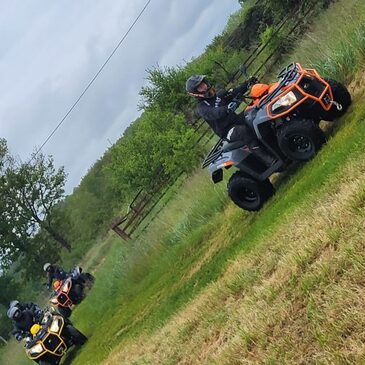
51 339
285 118
71 291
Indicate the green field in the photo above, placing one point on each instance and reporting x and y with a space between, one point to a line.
207 283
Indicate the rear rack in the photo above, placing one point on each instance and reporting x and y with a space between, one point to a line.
215 152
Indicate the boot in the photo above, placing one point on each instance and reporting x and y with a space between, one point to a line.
262 155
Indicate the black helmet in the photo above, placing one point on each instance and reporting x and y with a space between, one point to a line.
192 84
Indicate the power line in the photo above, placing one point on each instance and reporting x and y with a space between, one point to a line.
92 80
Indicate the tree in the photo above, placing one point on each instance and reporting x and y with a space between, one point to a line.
165 90
31 192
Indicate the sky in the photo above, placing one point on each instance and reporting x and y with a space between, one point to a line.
50 51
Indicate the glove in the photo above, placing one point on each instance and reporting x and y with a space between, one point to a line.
18 337
38 313
232 106
252 81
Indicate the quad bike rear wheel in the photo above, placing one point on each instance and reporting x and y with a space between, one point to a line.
300 139
341 96
247 193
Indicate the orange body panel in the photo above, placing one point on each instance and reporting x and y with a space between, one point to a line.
68 303
271 87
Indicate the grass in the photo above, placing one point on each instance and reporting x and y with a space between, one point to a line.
202 253
280 295
207 283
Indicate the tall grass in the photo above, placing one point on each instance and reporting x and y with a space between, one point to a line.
179 254
335 44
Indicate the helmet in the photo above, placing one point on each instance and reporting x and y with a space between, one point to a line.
13 303
192 84
35 329
14 313
46 266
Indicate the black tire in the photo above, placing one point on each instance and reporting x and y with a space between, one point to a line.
78 294
301 139
77 338
89 279
247 193
64 311
43 362
342 96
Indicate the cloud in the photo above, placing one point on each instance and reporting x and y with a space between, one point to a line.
51 50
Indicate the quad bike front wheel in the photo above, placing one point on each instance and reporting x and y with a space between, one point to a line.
247 193
342 98
300 139
89 279
77 337
64 311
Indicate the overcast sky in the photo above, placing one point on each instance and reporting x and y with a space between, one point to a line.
50 50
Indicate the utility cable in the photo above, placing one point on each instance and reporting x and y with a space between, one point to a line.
92 80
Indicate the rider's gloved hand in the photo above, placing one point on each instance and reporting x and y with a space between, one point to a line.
252 81
232 106
39 313
18 337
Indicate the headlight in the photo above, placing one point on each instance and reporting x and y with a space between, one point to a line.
54 301
286 100
46 316
66 286
55 326
36 350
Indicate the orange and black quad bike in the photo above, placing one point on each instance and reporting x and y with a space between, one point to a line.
67 293
71 291
285 118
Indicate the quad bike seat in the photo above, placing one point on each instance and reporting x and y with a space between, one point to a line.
230 146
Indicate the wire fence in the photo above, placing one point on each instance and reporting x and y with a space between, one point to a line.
145 201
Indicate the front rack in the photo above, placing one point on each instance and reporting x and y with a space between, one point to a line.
287 75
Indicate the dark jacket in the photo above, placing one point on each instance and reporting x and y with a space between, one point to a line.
25 322
215 112
55 272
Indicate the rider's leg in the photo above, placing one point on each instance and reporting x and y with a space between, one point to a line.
242 133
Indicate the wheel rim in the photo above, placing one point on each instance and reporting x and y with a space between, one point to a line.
247 195
300 143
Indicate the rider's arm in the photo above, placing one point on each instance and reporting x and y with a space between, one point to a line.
211 113
18 334
50 279
238 90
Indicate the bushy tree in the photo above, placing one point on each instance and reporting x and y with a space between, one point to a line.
33 190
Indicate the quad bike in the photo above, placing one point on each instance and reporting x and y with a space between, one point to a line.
285 118
51 339
71 291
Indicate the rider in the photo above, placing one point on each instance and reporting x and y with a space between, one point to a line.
218 110
23 316
54 272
